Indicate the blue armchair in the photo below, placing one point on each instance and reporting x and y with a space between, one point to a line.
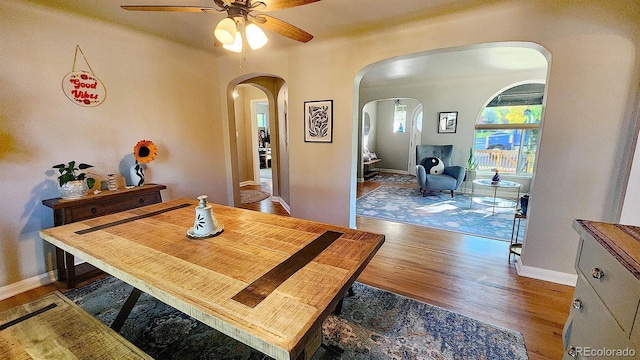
449 178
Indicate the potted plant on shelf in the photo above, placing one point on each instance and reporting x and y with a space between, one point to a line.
73 185
472 165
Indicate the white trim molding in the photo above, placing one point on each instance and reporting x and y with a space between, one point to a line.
546 275
249 182
27 284
282 202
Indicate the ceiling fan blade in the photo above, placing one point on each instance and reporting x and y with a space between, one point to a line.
283 28
283 4
168 8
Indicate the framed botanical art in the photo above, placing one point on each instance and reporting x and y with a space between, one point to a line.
447 122
318 121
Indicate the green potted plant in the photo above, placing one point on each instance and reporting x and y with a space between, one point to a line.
471 163
73 185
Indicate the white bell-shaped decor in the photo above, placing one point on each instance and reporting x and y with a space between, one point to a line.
237 44
255 36
205 224
226 31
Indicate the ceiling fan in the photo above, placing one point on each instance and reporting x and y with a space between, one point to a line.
241 21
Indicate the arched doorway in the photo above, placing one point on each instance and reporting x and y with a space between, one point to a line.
242 139
455 79
391 128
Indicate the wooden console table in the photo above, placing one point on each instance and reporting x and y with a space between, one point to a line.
90 206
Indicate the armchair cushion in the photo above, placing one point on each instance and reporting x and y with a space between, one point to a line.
433 165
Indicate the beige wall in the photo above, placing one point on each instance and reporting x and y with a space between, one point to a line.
178 97
393 148
156 90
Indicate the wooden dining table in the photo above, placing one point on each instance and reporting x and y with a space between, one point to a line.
268 281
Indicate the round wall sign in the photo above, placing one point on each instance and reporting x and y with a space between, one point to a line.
84 89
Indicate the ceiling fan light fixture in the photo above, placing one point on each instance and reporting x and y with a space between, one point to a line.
237 44
226 31
255 36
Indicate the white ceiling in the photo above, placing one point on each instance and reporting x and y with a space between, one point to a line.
460 63
323 19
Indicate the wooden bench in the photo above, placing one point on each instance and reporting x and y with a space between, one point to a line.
370 169
53 327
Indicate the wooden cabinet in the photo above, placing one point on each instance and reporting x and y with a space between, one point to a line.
90 206
603 318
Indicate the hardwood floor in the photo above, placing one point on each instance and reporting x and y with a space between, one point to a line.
466 274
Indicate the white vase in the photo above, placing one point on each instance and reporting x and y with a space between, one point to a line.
73 189
137 174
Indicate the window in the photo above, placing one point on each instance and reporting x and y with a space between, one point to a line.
399 118
262 119
507 138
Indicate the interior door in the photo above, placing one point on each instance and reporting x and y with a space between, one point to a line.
415 139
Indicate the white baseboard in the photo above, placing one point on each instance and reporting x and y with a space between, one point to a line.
282 202
27 284
394 171
546 275
248 182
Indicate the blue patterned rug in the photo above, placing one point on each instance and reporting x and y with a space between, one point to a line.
438 210
374 324
388 178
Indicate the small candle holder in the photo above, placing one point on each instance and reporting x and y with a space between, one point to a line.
205 224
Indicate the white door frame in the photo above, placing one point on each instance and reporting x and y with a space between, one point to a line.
415 139
254 138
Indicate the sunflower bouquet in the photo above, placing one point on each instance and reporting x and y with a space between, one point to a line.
144 152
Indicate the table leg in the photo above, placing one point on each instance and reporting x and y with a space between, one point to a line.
71 270
126 309
471 200
495 190
61 268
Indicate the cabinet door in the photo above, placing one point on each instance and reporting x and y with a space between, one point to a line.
591 327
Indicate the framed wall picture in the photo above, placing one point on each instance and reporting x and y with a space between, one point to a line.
447 122
318 121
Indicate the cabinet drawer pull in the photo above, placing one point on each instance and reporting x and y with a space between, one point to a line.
577 303
597 273
571 351
94 211
141 201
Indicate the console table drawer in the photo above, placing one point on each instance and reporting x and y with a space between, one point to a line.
587 312
88 211
609 279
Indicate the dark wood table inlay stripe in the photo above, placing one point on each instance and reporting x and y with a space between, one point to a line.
257 291
133 218
27 316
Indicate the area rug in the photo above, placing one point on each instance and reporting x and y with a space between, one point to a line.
438 210
251 196
374 324
387 178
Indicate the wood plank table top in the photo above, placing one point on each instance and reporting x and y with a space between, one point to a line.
148 248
